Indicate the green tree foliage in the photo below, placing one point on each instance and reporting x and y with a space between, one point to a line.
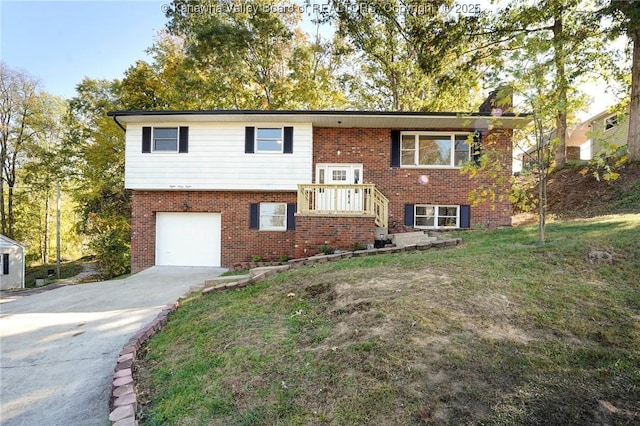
408 56
96 149
565 40
248 56
32 165
43 169
20 110
165 83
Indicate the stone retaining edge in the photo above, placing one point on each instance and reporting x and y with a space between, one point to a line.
124 402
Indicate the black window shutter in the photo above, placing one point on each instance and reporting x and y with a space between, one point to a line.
5 263
146 139
395 148
249 140
291 219
183 146
465 217
476 148
408 215
288 140
254 215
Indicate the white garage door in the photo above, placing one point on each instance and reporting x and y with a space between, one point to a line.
188 239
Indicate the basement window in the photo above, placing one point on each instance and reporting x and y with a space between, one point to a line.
273 216
433 216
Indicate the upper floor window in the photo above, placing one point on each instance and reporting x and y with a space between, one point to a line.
427 149
611 122
165 139
269 139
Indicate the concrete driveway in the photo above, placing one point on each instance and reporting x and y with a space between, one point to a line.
58 349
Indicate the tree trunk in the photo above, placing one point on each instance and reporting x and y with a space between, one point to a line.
560 155
542 187
10 213
633 141
45 245
542 169
542 205
3 215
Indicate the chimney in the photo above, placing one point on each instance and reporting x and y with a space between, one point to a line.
500 101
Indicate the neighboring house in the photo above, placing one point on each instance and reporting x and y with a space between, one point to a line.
585 140
11 263
219 187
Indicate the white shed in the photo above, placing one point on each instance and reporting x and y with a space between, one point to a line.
11 263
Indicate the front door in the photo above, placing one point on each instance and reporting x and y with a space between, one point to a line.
347 199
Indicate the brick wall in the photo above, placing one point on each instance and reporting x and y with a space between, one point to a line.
371 147
238 244
336 232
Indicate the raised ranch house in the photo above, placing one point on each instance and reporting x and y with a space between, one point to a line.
219 187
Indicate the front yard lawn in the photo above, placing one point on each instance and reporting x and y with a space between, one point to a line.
499 331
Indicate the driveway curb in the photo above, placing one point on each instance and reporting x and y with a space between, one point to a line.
124 402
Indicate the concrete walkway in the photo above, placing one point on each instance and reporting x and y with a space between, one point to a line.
58 348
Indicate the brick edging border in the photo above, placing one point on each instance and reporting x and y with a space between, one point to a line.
124 401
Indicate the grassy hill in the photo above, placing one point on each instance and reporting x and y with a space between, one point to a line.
498 331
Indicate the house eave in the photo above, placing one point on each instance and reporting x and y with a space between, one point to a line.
343 119
10 241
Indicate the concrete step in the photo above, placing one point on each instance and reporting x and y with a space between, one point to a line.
411 239
230 278
256 271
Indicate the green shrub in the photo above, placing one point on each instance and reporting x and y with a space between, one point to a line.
359 246
325 249
523 194
606 164
113 254
256 259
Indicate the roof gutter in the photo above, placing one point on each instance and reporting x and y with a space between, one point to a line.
115 118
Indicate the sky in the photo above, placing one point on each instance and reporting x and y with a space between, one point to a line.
62 42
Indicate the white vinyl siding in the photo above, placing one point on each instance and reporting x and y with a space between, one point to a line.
217 160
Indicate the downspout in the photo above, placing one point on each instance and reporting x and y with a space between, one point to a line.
115 118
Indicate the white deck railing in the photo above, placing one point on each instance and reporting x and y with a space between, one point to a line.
343 200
